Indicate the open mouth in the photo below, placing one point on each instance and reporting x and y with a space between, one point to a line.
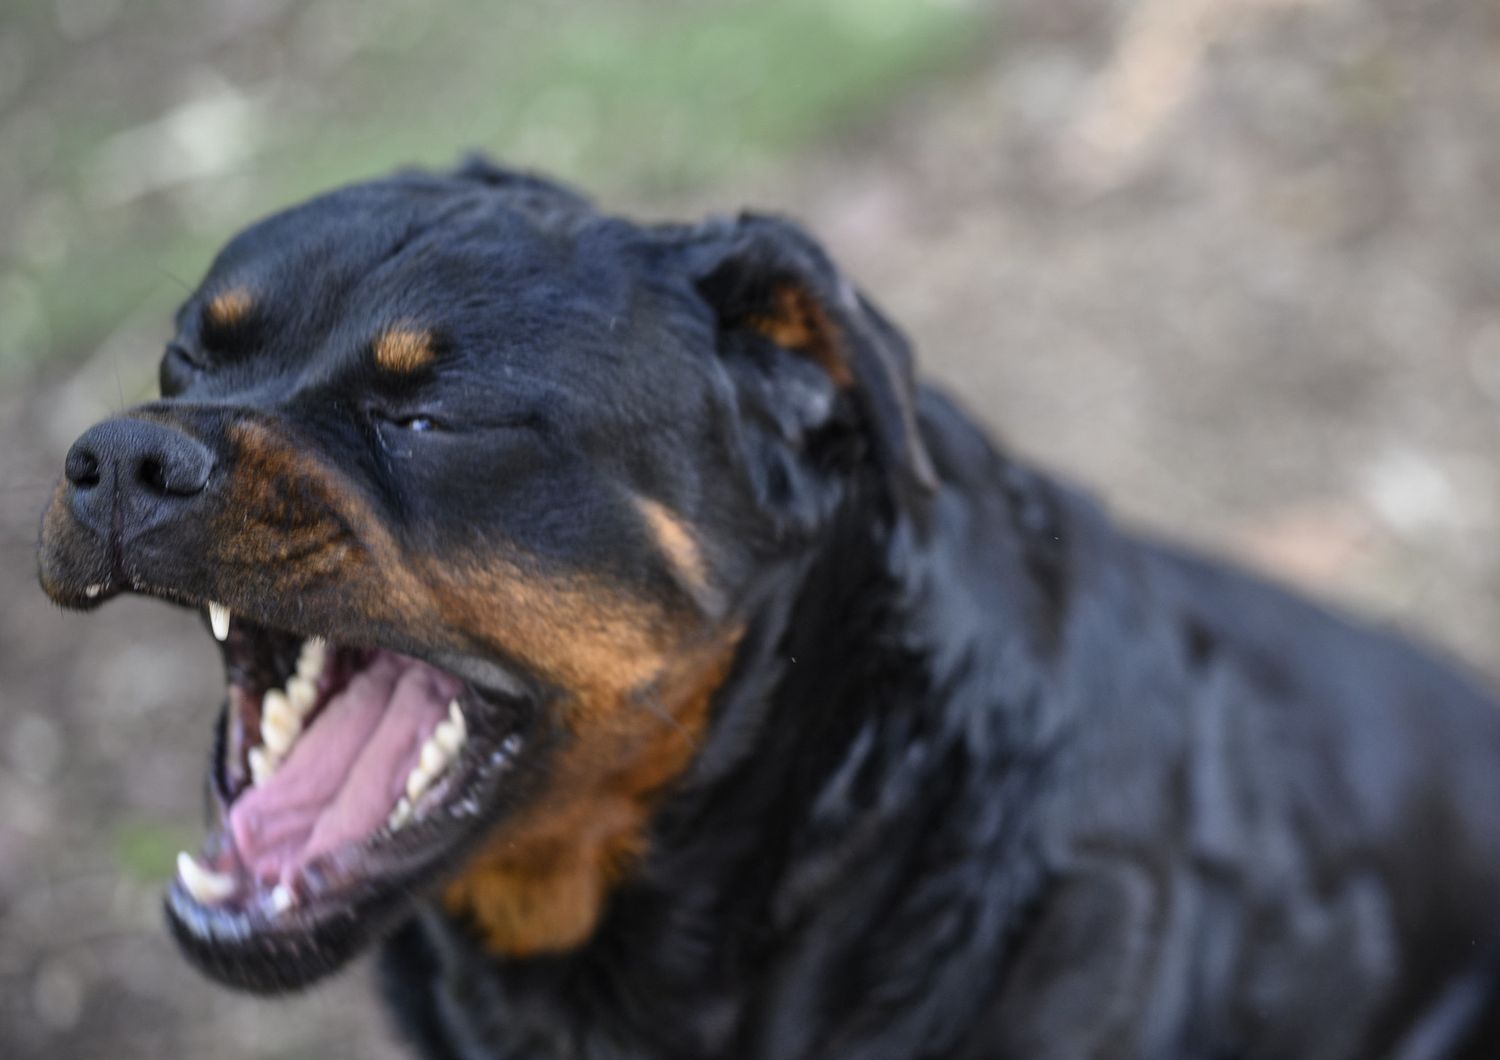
345 778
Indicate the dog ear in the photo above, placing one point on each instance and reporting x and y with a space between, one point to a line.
771 285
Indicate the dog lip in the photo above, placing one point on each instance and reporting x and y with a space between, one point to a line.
85 598
247 950
76 594
486 675
497 678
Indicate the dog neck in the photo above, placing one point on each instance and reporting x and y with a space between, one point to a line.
859 744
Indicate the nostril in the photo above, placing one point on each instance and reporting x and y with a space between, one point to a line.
82 468
174 470
144 463
153 475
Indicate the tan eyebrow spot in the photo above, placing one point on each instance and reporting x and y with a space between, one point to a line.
404 349
677 544
228 308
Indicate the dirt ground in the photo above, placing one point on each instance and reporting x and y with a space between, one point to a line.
1232 265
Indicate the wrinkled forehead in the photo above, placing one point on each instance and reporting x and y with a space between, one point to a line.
436 263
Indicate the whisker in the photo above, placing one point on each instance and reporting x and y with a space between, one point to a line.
178 280
652 702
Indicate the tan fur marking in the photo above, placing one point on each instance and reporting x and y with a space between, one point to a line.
676 544
230 307
635 679
540 884
292 529
576 632
583 635
404 349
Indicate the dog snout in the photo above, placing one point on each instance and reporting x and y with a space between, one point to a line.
128 474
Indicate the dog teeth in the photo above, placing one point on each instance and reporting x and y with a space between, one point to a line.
284 710
92 591
311 659
218 617
448 737
400 815
280 722
262 766
301 693
417 782
281 899
206 886
437 752
434 757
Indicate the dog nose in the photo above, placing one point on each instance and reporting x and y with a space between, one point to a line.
147 469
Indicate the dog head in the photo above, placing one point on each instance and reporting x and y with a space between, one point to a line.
474 485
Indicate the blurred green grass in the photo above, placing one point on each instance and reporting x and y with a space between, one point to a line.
146 851
134 153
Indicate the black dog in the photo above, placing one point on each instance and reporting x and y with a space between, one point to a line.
613 625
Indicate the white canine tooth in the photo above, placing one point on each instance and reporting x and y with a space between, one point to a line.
205 885
282 899
417 782
302 693
456 716
311 659
434 758
449 737
262 766
92 591
218 617
279 723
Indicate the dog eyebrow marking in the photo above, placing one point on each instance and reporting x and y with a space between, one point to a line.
677 545
404 348
229 307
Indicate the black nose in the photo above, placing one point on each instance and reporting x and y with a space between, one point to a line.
146 469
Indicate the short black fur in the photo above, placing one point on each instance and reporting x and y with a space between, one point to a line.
993 778
988 777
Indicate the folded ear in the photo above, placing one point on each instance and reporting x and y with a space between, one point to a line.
769 282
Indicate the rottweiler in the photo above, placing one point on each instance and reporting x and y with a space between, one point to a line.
617 632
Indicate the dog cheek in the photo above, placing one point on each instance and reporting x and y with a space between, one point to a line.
288 530
541 882
312 566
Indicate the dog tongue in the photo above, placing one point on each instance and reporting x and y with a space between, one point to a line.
346 771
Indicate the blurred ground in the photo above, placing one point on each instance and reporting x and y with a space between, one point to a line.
1230 264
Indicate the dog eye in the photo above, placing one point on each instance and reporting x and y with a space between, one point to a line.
415 422
179 370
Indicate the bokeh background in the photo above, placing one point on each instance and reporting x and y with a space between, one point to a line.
1232 264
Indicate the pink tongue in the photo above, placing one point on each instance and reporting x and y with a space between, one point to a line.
346 771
